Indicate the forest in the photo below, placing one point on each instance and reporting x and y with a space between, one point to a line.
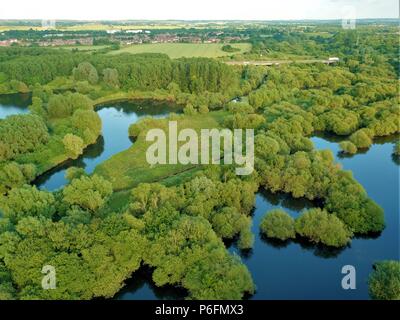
179 227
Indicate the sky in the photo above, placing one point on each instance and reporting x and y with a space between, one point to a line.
197 9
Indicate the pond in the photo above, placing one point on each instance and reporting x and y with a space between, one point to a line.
291 270
14 104
116 119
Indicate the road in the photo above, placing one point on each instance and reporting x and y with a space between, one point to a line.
276 62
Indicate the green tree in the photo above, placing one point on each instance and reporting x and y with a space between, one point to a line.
348 147
73 145
278 224
88 192
384 281
110 77
85 71
322 227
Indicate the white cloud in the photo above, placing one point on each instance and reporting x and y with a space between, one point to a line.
194 10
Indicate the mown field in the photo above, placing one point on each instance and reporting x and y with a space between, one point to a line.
178 50
130 167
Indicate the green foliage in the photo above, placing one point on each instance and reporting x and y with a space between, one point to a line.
21 134
384 281
189 110
362 138
74 173
110 77
88 124
27 201
85 71
88 192
73 145
348 147
13 174
321 227
61 106
349 201
278 224
229 48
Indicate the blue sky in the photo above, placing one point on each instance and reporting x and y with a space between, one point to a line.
195 10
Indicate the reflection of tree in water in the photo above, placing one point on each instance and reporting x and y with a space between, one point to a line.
16 100
143 107
143 277
287 201
276 243
396 159
91 152
317 249
320 250
94 150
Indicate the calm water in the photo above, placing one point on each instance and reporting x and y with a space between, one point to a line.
291 270
14 104
116 120
295 270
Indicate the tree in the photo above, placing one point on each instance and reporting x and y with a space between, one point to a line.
27 201
73 145
88 192
64 105
362 138
189 110
88 124
278 224
110 77
13 175
384 281
321 227
348 147
85 71
21 134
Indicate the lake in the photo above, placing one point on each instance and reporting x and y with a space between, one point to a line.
14 104
290 270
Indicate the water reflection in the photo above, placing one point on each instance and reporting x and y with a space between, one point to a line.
298 269
142 287
14 104
116 119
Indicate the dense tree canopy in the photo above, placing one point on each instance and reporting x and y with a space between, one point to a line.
384 281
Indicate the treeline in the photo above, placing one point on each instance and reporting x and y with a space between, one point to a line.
135 72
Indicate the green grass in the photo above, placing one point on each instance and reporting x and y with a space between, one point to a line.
178 50
83 47
128 168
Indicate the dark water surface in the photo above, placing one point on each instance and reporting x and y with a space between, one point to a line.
291 270
14 104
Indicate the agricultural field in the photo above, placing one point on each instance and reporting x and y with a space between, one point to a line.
188 50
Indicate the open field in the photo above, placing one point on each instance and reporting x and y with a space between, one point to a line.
178 50
128 168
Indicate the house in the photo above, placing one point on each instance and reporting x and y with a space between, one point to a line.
333 59
7 43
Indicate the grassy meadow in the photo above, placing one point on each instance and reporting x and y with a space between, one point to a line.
128 168
179 50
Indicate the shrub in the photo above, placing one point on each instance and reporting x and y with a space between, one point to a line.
278 224
348 147
321 227
384 281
